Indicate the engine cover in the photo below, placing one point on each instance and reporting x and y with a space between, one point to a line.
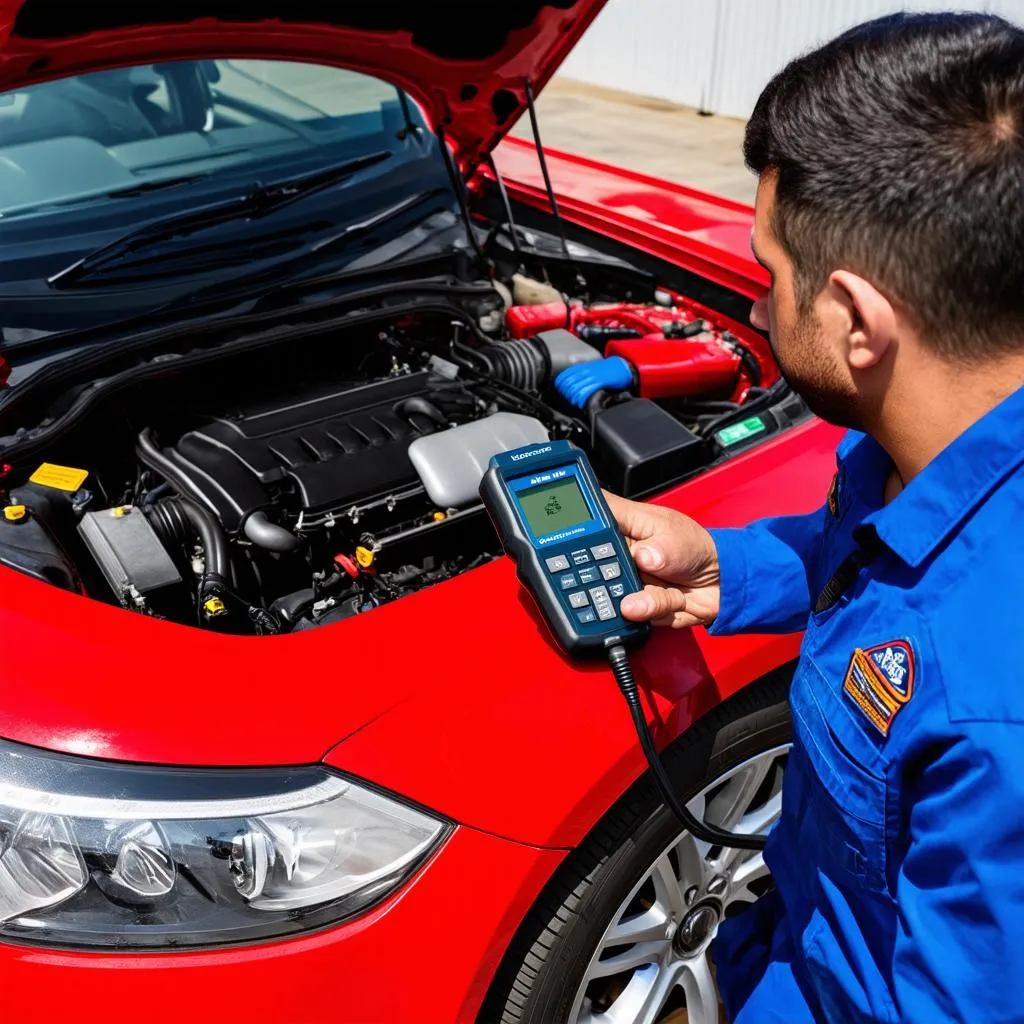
316 453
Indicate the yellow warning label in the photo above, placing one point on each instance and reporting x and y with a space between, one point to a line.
64 478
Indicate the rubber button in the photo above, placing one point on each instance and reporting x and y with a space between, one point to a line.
586 616
568 581
603 603
603 551
617 590
579 599
611 570
558 564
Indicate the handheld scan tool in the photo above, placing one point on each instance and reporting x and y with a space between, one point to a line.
554 523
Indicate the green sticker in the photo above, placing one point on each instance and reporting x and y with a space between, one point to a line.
741 431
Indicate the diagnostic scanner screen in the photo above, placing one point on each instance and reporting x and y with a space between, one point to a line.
553 507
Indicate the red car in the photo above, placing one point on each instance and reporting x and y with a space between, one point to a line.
282 737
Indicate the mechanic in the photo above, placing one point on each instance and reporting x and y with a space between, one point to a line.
890 216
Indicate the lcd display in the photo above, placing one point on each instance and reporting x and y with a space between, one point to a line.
551 508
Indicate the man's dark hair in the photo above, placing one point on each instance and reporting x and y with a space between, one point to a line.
899 154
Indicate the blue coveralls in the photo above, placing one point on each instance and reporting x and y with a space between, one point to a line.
899 855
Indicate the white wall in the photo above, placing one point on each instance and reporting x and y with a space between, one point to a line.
717 55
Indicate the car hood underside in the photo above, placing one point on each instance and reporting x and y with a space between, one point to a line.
467 64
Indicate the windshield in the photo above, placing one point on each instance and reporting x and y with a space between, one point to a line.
79 138
87 160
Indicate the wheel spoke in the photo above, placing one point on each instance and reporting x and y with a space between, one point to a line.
646 927
701 995
641 1003
692 865
730 804
698 807
668 888
640 955
744 875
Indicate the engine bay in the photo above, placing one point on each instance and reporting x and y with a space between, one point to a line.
339 470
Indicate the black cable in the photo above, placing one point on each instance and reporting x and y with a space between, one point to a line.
619 660
762 403
749 361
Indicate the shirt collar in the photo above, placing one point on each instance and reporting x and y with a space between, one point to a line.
949 489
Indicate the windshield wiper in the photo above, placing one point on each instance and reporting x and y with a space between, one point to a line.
145 187
258 202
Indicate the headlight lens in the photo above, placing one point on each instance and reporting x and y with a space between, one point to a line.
101 855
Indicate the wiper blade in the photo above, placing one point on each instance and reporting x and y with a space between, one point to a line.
258 202
241 287
145 187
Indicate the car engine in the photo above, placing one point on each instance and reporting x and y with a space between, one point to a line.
263 499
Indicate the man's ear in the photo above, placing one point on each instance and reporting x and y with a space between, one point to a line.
869 316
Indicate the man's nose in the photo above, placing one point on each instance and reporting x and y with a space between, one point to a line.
759 314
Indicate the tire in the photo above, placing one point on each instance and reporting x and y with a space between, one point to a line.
541 977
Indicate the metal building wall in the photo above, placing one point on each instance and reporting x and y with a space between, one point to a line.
717 55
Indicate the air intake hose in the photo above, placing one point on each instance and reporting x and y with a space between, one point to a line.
176 521
531 364
521 362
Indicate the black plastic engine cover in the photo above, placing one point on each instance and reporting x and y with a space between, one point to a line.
314 453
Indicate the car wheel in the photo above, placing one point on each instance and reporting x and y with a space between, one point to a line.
621 933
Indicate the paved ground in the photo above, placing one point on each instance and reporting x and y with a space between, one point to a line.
645 135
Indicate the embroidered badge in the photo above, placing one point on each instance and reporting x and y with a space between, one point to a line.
833 496
880 680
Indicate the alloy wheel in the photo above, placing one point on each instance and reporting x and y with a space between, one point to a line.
651 964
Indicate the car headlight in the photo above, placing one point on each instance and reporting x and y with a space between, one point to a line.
97 854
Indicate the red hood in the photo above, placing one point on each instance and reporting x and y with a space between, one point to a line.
464 61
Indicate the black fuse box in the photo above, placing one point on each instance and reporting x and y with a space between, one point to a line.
641 448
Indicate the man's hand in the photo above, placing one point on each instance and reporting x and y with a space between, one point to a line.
678 563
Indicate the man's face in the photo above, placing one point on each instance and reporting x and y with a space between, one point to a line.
807 351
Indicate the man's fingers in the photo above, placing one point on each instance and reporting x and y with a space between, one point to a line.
653 603
638 527
681 620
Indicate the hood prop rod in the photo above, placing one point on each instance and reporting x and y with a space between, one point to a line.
503 192
460 194
535 128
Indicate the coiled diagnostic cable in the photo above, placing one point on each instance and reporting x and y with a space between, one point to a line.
619 660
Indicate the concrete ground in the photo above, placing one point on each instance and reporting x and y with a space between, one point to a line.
646 135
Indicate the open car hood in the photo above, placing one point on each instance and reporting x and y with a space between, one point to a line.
465 61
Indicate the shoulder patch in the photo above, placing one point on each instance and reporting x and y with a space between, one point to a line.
880 680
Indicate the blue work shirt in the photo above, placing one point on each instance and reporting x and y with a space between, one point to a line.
899 854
